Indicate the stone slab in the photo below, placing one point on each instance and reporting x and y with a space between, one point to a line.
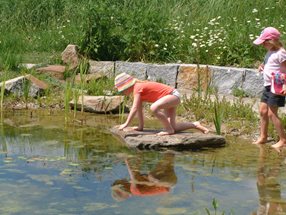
148 139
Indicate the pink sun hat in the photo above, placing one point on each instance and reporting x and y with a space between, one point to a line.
268 33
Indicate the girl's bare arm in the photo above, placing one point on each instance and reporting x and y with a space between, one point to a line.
136 106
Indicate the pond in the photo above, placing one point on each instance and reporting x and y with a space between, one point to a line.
52 167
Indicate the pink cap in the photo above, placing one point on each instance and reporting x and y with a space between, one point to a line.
268 33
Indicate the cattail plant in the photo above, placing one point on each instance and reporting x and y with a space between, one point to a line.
2 99
217 119
67 98
26 90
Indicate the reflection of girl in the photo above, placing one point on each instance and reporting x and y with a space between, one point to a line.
157 182
268 187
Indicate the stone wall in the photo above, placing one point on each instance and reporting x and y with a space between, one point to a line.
186 77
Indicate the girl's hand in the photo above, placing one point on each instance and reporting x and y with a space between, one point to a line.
121 127
261 68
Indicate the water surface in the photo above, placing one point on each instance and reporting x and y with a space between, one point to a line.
52 167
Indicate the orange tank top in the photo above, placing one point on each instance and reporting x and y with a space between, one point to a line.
151 91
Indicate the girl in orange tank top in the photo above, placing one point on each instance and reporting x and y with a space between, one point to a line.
164 99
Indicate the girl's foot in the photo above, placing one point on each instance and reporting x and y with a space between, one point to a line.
260 141
279 145
163 133
198 126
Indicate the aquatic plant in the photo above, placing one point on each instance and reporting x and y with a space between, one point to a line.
2 93
215 206
68 90
217 119
212 109
83 69
26 90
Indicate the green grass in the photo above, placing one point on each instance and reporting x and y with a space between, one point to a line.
239 115
198 31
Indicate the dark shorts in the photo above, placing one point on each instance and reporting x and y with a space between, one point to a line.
272 99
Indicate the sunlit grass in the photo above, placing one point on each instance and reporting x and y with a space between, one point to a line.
192 32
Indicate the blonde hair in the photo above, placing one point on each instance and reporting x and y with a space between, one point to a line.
276 44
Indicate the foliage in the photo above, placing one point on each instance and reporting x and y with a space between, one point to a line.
214 109
198 31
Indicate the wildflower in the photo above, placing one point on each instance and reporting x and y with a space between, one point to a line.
254 10
192 36
195 45
156 45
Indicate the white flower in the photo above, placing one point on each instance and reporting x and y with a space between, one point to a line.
254 10
195 45
156 45
192 36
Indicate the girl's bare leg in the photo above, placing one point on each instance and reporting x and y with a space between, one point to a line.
167 102
264 121
273 115
171 116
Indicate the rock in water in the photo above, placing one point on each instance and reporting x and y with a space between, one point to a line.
148 139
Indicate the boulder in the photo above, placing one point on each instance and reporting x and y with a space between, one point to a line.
166 73
136 69
56 71
87 78
192 77
16 86
102 67
70 56
148 139
100 104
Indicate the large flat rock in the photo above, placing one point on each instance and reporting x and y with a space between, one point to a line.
148 139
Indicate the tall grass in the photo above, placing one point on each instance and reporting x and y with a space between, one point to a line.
2 93
197 31
67 98
239 114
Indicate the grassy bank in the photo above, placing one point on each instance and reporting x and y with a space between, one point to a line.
216 32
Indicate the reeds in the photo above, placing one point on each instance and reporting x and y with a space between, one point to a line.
217 119
2 93
67 98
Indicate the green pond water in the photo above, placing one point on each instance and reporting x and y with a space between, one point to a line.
50 167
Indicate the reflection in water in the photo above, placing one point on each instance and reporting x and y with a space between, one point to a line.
268 186
157 181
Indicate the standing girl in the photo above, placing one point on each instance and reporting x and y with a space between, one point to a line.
164 99
275 60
